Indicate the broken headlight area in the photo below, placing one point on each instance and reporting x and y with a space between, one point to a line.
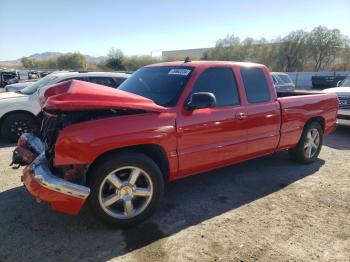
28 148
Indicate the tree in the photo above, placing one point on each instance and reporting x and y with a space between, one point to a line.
115 60
133 63
345 54
27 63
71 61
228 49
323 45
292 51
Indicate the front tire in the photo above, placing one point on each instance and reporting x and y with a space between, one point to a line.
15 124
125 188
310 144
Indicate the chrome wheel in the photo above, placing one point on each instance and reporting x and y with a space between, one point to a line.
125 192
312 143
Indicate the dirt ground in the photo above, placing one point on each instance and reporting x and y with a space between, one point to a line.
269 209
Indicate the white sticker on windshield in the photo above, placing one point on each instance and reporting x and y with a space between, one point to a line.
182 72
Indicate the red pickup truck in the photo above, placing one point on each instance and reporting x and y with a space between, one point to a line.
116 148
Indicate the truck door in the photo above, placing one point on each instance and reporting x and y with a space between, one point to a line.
262 113
212 137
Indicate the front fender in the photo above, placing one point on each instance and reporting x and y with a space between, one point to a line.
83 143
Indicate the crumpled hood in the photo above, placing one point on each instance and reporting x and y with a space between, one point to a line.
9 95
75 95
342 91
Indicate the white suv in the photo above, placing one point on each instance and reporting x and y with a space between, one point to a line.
19 110
343 93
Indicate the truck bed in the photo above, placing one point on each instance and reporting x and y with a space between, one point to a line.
297 108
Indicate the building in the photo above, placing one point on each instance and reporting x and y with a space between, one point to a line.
182 54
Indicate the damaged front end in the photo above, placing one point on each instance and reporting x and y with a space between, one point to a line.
63 105
38 178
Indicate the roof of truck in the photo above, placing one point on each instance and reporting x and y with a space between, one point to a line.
205 63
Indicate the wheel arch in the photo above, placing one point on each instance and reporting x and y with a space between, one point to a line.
18 112
317 119
153 151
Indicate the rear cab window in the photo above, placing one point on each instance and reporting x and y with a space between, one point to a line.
256 85
221 82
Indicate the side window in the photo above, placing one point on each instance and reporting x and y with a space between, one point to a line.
220 82
74 78
119 80
255 84
105 81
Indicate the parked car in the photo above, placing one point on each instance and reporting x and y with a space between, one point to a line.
33 74
19 110
19 86
8 77
282 82
322 82
166 122
44 73
343 93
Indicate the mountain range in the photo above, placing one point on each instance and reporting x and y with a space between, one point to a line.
48 55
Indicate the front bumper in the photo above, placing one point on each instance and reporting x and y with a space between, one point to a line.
343 117
63 195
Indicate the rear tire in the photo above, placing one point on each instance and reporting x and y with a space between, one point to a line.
125 188
14 125
310 144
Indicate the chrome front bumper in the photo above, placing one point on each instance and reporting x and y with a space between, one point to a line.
41 173
342 121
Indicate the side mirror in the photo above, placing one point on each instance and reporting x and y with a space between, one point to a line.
201 100
339 83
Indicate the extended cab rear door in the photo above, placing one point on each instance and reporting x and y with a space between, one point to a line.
263 116
212 137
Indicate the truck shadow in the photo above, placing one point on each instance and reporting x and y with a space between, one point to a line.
339 139
187 202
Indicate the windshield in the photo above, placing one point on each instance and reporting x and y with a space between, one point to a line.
346 82
31 89
163 84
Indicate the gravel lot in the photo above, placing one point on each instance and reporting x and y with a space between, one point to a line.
266 209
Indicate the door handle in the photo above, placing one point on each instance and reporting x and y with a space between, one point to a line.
241 116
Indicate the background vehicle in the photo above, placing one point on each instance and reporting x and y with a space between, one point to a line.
19 86
282 82
166 122
8 77
33 74
343 93
19 110
321 82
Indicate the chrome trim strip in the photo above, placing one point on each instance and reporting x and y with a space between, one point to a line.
344 112
42 175
343 122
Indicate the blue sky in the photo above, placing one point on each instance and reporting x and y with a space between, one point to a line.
139 27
